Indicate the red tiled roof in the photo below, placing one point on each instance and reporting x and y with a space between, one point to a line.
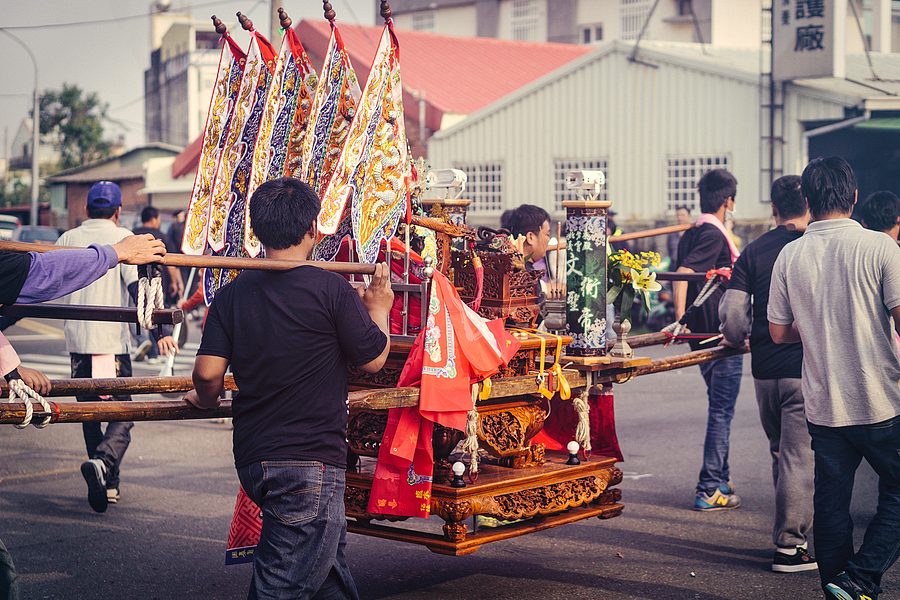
456 74
187 161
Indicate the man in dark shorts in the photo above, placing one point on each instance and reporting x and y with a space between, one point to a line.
703 247
289 337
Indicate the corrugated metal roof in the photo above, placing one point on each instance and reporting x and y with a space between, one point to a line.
741 64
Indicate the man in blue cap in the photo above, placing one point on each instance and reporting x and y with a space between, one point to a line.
100 349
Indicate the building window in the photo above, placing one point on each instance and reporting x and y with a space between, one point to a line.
561 168
591 34
682 175
632 14
423 21
524 20
484 186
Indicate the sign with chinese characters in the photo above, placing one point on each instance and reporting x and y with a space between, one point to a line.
586 277
808 38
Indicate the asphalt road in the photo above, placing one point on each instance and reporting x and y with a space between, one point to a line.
165 539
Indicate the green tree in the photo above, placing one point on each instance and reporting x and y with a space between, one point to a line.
74 118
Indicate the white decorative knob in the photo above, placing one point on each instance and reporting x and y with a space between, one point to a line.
458 468
573 447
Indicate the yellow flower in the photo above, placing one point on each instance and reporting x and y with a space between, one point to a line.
645 281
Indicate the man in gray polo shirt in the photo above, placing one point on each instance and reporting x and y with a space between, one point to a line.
837 289
101 349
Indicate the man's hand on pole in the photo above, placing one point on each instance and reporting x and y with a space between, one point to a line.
35 380
140 249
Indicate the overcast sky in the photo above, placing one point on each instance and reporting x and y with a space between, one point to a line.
110 57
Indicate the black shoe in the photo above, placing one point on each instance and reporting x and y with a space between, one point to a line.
801 560
844 588
94 473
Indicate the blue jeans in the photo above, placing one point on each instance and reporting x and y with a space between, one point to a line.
838 452
723 382
301 547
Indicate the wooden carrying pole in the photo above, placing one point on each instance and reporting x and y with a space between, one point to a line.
220 262
168 316
635 235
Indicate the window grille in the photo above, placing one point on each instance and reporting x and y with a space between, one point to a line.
632 14
682 175
561 168
524 20
484 187
423 21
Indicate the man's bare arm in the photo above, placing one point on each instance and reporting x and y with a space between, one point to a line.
784 334
679 291
209 381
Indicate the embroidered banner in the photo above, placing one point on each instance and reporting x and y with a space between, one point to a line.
221 105
456 349
371 176
240 161
286 107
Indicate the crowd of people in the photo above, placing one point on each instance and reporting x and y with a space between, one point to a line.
818 297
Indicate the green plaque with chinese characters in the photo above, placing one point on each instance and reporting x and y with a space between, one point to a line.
586 277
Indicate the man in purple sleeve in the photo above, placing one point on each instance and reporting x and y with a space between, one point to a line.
34 277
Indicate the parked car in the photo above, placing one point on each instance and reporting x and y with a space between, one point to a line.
8 224
36 233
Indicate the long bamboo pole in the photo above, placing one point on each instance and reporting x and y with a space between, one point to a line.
370 399
166 316
636 235
220 262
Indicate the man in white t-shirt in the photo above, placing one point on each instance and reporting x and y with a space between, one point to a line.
99 349
837 289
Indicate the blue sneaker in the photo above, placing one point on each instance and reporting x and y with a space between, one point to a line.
844 588
718 501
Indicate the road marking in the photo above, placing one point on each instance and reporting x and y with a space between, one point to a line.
634 475
38 327
38 475
192 538
31 337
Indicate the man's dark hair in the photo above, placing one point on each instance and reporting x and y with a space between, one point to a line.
683 207
829 186
715 187
104 212
787 197
148 214
282 211
527 218
880 211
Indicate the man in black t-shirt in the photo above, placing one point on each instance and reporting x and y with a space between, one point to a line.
704 247
289 337
776 376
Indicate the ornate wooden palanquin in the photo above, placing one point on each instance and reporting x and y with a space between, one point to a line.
517 479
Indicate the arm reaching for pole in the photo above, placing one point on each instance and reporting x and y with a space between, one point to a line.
209 381
378 299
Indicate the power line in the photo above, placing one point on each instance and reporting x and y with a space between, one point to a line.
106 20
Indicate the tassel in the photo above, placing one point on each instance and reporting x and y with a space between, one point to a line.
470 444
479 280
583 429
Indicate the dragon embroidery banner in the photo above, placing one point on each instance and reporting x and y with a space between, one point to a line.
221 107
373 170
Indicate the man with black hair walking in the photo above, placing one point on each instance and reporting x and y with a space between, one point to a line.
776 376
704 247
290 416
837 290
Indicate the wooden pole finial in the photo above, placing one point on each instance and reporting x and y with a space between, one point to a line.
329 11
221 29
386 10
245 21
284 19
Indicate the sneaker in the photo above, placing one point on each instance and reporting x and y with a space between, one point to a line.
727 488
142 350
154 360
112 496
718 501
94 473
800 560
846 589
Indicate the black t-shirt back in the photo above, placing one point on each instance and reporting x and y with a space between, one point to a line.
753 274
289 336
701 249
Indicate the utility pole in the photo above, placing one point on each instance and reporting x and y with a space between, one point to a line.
35 131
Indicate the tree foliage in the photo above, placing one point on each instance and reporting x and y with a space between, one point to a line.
74 118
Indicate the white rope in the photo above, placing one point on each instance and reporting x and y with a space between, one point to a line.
470 444
583 429
20 392
149 298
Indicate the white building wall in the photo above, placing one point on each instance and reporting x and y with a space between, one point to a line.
454 20
636 117
736 23
506 23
